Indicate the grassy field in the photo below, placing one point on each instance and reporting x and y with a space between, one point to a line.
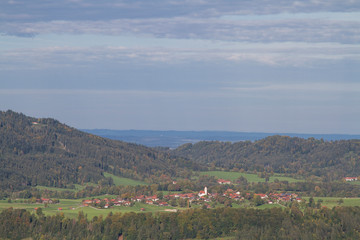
77 188
267 206
118 181
232 176
71 208
331 202
355 182
52 209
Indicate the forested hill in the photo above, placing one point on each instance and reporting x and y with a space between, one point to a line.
46 152
306 157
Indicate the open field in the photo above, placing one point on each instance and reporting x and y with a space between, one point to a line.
232 176
118 181
71 208
77 188
331 202
355 182
124 181
267 206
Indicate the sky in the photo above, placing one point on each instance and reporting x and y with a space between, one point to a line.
236 65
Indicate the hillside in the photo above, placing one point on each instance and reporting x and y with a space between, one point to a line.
330 159
46 152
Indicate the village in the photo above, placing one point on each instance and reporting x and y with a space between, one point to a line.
202 198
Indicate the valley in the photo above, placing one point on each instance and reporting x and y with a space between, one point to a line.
52 173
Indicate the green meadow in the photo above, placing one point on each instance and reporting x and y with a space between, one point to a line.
267 206
355 182
77 188
331 202
232 176
118 181
71 208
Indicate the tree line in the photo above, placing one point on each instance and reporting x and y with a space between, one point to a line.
274 223
332 160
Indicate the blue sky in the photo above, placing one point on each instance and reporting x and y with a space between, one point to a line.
254 66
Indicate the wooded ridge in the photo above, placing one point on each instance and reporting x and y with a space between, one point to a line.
46 152
331 160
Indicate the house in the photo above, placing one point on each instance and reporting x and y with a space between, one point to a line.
139 198
262 196
203 193
163 204
152 198
350 179
118 202
228 191
222 181
87 201
46 200
187 195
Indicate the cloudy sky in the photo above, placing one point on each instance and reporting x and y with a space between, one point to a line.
254 66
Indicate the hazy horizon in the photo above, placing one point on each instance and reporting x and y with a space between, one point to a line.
217 130
253 66
174 139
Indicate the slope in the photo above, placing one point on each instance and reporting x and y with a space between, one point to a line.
46 152
306 157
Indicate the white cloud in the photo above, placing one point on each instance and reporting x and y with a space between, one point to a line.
287 54
113 9
295 30
328 87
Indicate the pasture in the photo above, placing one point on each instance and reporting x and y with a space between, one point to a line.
232 176
118 181
331 202
71 208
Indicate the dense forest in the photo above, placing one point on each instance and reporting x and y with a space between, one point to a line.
46 152
305 157
241 223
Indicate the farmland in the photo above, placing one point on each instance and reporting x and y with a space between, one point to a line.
121 181
232 176
71 208
331 202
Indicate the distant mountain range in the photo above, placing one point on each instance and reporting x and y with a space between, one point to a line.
174 139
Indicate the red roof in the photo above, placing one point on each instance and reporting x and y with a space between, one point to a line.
223 181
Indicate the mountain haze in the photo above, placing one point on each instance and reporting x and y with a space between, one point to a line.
174 139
